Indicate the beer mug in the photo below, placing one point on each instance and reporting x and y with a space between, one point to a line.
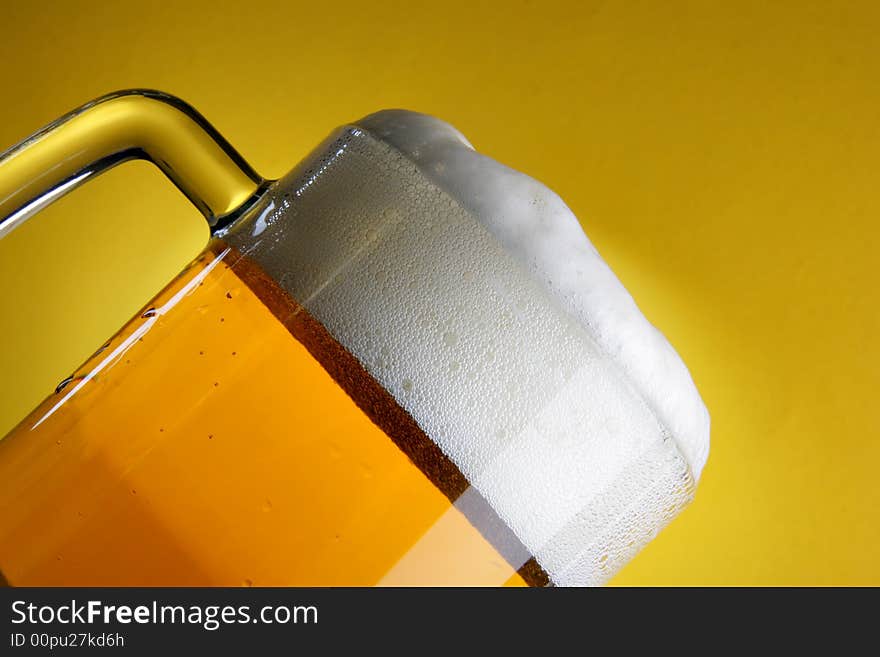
400 364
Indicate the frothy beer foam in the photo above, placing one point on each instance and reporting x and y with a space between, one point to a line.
470 293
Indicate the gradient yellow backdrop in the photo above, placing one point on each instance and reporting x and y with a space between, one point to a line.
723 157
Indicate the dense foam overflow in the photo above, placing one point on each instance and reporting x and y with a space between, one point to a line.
470 293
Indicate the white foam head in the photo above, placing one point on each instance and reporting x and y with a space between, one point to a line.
471 294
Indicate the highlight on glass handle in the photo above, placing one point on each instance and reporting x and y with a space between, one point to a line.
125 125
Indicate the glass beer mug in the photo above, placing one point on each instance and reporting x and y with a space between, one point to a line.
401 363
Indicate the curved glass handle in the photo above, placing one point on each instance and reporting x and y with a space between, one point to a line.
126 125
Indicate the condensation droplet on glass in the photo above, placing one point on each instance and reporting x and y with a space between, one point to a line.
61 386
102 348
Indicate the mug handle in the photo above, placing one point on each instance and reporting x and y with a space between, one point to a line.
127 125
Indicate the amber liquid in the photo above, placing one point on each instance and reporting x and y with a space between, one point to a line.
224 438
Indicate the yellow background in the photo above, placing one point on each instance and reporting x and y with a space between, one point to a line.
723 156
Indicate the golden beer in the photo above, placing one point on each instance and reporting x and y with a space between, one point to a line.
158 462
